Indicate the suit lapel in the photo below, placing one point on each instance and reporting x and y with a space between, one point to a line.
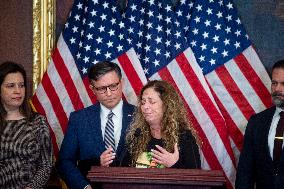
267 123
126 119
95 126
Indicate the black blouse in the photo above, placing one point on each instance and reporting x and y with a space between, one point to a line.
189 157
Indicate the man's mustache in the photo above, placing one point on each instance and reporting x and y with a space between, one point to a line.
277 94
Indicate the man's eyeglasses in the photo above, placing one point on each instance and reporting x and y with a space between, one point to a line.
103 89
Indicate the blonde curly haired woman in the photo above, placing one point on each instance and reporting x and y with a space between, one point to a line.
161 134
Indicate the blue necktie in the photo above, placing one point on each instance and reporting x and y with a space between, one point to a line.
109 132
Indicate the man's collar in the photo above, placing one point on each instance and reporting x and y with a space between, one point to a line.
116 110
278 110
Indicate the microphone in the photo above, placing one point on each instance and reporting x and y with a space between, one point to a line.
137 133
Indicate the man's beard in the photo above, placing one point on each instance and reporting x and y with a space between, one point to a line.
278 99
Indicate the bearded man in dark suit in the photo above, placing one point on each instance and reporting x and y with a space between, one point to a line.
87 141
261 163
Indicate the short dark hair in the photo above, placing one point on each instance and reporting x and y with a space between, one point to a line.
101 68
278 64
5 69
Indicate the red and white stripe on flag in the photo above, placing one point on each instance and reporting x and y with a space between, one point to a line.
220 103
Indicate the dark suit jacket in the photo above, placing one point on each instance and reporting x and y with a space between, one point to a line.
255 164
83 143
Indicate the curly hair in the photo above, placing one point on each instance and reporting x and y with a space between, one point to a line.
173 123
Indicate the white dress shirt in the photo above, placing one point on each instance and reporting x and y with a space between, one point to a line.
117 120
272 130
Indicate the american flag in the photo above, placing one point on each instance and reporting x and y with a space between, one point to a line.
91 34
199 46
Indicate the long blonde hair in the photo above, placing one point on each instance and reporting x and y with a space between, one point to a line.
174 120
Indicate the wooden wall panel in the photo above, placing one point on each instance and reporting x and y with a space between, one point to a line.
16 34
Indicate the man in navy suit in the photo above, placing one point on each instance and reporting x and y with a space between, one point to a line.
84 141
261 163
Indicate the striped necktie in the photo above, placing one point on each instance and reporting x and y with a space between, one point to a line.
109 132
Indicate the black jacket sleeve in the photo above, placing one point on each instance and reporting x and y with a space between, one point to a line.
189 157
245 178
